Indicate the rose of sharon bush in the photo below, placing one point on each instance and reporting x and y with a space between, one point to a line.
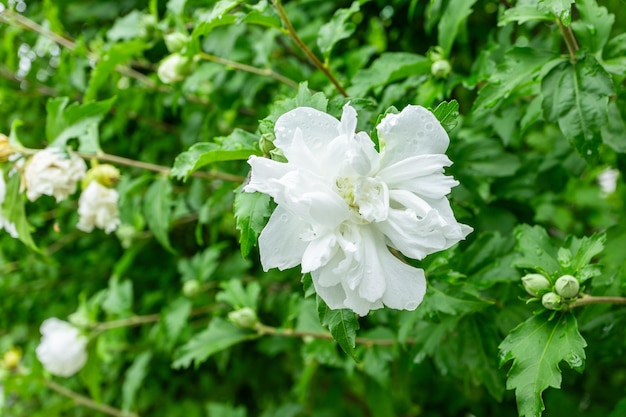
62 350
342 204
51 172
97 207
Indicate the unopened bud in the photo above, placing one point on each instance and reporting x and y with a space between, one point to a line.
551 301
175 67
534 284
244 317
191 288
175 41
12 358
104 174
567 286
6 149
266 143
441 68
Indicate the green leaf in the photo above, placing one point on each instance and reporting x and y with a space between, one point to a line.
583 250
251 213
127 27
218 16
237 146
535 250
389 67
117 54
234 294
177 7
134 378
304 98
13 136
174 317
447 113
522 13
537 347
594 27
338 28
438 300
576 96
519 68
157 209
220 335
614 132
75 121
214 409
119 296
13 211
455 15
342 323
561 8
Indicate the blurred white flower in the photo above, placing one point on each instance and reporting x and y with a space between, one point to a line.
4 223
342 204
174 68
608 180
62 349
51 172
97 207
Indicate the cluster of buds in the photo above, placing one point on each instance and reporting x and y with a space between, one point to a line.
565 289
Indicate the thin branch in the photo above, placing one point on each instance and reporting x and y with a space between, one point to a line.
265 330
140 320
293 35
157 168
88 402
10 17
266 72
590 299
570 40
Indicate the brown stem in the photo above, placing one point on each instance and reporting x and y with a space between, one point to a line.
590 299
570 40
266 72
293 35
87 402
140 320
157 168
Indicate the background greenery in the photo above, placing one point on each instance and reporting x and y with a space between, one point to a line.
534 118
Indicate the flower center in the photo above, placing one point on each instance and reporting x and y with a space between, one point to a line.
367 196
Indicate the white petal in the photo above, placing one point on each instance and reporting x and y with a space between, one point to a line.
280 241
317 128
348 121
422 174
319 252
413 131
406 285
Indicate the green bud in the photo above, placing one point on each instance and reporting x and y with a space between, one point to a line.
441 68
244 317
567 286
175 67
105 174
175 41
535 283
551 301
192 288
266 143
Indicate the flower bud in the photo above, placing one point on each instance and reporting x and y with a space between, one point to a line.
6 149
441 68
12 358
244 317
175 67
266 143
192 288
551 301
104 174
175 41
567 286
535 283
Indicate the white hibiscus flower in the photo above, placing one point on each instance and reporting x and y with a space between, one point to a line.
97 207
62 350
342 205
50 172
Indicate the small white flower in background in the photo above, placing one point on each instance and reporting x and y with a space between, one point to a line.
62 350
608 180
97 207
4 223
342 204
173 68
51 172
